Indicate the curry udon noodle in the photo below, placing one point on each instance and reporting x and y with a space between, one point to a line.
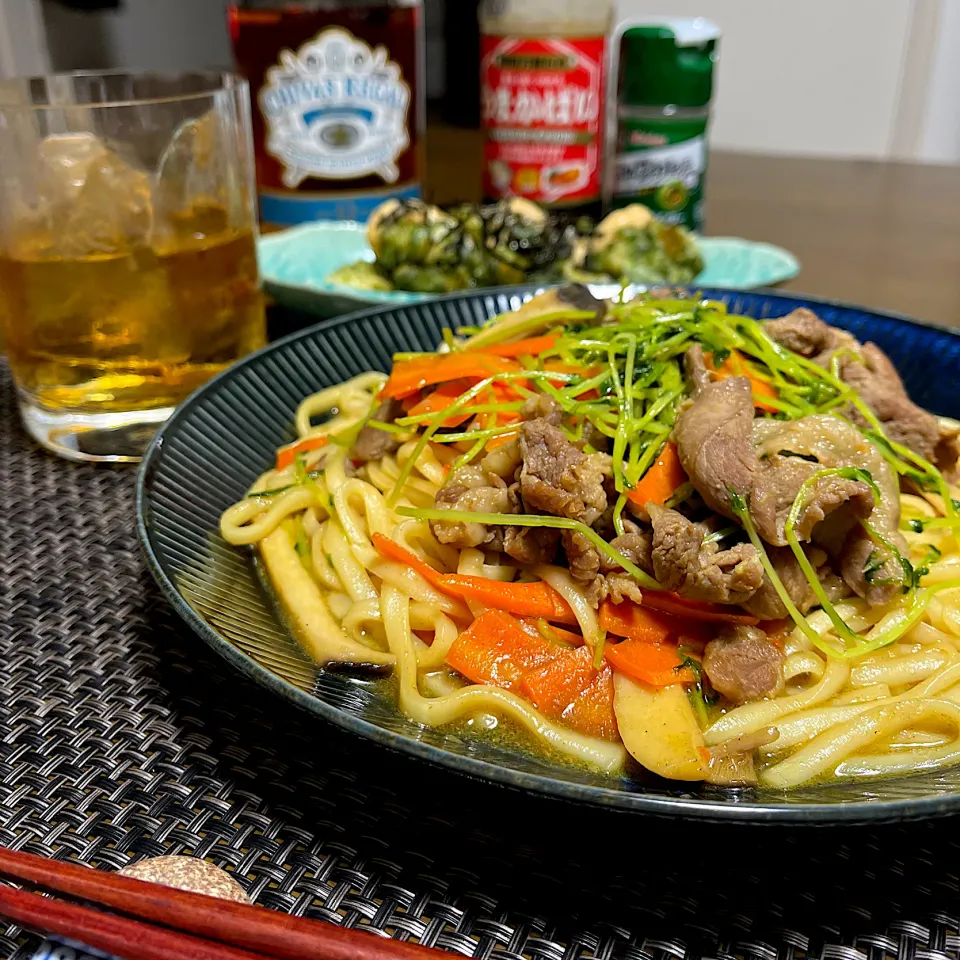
727 548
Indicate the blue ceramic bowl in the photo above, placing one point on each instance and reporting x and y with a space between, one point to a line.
214 446
295 265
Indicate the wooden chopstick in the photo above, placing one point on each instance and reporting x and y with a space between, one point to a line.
115 935
265 932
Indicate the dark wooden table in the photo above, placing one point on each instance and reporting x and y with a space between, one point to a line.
886 235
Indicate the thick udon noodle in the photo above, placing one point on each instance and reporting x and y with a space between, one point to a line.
892 711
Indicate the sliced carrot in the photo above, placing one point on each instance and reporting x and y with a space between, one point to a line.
629 620
499 441
564 636
521 348
392 550
503 420
445 396
662 480
736 366
656 664
536 599
504 392
694 609
560 366
592 709
495 649
553 686
408 376
286 455
570 690
410 401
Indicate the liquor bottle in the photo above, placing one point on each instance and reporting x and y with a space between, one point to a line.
338 104
543 73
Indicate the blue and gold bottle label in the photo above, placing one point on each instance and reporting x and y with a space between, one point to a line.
336 109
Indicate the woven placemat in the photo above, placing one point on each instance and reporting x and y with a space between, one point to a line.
124 737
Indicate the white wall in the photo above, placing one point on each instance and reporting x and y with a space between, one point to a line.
939 134
23 47
827 77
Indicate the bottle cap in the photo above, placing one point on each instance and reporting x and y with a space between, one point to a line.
668 61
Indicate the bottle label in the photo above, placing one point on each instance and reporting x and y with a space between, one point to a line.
543 117
662 164
336 109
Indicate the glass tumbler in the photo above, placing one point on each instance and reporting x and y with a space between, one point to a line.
128 268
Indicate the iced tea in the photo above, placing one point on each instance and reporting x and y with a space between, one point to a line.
128 267
135 330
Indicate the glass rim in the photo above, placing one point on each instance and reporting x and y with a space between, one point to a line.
226 80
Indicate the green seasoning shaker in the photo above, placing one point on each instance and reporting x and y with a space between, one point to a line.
663 105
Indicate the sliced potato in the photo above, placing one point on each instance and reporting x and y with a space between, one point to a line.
308 614
544 310
659 729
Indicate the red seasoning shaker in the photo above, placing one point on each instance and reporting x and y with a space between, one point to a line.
543 66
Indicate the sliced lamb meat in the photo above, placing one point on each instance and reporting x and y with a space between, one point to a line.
557 478
790 453
609 579
616 587
579 297
541 406
947 453
531 545
714 442
684 564
574 295
743 665
696 368
836 444
723 449
880 387
875 378
599 441
766 603
471 488
583 558
869 569
803 332
635 544
780 483
373 444
586 562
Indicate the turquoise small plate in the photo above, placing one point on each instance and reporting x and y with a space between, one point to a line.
295 265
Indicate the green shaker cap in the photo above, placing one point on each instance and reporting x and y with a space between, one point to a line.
668 61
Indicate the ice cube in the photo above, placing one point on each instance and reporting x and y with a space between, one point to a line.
112 212
64 160
193 180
